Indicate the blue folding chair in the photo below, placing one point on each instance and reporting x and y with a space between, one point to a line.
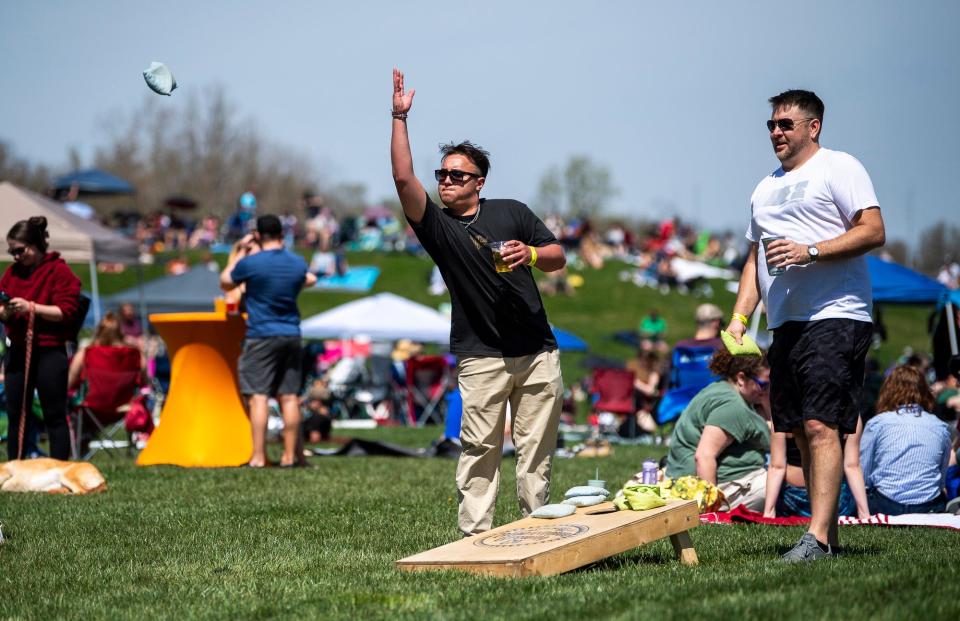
689 374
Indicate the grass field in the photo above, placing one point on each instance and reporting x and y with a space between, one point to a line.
171 543
320 542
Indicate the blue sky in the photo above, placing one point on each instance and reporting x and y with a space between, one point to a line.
670 96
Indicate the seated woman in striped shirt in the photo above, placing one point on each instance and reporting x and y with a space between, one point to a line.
905 450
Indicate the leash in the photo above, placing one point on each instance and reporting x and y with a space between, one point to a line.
31 315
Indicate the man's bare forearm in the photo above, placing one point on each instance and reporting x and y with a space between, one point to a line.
409 189
550 258
867 233
748 293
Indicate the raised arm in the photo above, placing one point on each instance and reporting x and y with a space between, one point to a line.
412 195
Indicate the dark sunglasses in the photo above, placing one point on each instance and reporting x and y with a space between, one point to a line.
16 252
455 175
785 125
762 385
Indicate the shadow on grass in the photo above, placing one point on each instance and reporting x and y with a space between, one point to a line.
627 559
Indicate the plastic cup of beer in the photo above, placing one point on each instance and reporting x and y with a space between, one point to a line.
497 248
773 270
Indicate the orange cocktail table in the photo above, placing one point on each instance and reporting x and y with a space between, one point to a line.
203 422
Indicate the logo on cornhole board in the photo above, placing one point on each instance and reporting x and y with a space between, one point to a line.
531 535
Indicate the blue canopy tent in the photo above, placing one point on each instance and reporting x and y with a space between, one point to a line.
896 284
93 181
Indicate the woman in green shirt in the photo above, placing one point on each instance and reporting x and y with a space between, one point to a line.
723 435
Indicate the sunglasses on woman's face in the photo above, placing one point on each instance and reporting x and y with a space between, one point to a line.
762 385
16 252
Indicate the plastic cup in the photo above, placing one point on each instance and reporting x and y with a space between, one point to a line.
496 248
773 270
597 483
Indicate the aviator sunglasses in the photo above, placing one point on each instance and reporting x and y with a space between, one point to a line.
455 175
785 125
16 252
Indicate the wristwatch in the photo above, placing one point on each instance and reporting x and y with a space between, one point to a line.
813 252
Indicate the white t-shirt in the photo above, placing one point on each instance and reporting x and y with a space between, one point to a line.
813 203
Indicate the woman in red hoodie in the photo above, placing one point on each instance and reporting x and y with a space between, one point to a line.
41 283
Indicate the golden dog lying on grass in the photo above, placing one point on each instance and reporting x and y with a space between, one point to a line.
50 475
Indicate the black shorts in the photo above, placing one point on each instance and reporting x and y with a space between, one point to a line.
816 372
270 366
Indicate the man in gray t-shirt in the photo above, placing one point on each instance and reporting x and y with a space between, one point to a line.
812 222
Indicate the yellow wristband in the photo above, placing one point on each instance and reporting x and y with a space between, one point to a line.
741 318
533 256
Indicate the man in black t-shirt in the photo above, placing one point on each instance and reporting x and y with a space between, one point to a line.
499 331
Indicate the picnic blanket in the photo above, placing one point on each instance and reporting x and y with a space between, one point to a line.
742 515
360 278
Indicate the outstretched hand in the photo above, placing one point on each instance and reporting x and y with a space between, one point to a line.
401 101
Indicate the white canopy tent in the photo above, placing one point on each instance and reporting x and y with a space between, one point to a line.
382 317
76 239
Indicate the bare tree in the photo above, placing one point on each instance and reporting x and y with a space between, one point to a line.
588 186
550 192
204 151
583 187
938 243
20 172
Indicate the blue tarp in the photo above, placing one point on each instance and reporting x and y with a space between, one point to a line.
567 341
94 181
896 284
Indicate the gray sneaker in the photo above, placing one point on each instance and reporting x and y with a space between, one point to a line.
806 550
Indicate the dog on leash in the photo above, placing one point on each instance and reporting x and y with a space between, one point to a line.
51 475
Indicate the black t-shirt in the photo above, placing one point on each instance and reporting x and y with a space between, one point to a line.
494 314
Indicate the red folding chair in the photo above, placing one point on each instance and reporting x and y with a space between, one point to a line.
614 388
428 380
112 378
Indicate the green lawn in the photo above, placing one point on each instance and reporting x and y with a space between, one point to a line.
171 543
165 542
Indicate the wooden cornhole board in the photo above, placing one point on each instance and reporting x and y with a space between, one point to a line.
539 547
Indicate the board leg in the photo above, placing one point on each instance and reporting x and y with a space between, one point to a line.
683 547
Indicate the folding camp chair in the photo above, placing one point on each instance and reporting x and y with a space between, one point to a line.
111 377
614 388
689 373
427 382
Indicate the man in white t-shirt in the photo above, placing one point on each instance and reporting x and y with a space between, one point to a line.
813 279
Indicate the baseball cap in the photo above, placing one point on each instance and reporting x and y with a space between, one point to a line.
708 312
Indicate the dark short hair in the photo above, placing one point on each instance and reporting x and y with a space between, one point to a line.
726 365
32 231
269 226
475 153
805 100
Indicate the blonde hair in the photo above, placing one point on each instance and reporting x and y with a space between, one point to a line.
108 331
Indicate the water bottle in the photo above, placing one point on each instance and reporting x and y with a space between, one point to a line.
649 475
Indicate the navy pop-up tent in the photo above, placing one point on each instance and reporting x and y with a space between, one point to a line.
93 181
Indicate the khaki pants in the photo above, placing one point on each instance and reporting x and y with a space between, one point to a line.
749 490
533 387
